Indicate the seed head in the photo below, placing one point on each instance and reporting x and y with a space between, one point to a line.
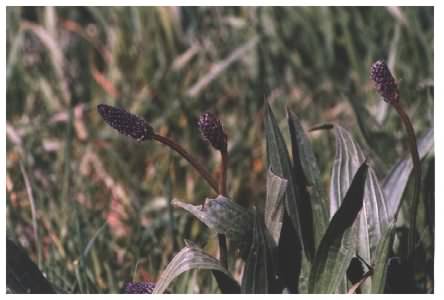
385 84
138 288
125 122
212 130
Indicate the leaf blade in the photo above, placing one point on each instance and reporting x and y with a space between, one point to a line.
260 274
373 219
224 217
276 187
381 264
192 257
395 182
279 161
335 250
307 174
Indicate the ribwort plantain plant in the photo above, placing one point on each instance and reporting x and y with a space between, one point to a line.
336 246
387 87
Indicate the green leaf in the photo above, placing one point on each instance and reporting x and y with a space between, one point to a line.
22 274
429 199
373 220
192 257
395 182
224 217
308 178
336 249
274 209
381 264
290 260
260 274
279 161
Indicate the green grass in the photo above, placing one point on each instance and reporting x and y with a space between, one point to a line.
94 189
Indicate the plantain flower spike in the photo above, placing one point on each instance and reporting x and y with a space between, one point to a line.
126 123
212 131
385 84
138 288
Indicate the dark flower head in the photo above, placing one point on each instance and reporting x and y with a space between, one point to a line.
125 122
385 84
138 288
212 130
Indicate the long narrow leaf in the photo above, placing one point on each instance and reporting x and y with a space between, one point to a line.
395 182
260 274
192 257
373 219
290 259
336 250
381 265
22 275
308 178
276 187
279 161
224 217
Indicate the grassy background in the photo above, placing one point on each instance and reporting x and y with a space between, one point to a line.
91 206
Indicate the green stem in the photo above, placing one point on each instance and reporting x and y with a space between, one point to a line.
178 148
223 177
223 190
221 187
417 173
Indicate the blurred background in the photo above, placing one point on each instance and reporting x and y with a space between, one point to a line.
91 207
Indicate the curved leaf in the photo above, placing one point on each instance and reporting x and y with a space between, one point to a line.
224 217
260 274
274 210
279 161
192 257
395 182
308 177
336 249
373 219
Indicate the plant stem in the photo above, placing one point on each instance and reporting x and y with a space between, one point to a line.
417 172
222 182
223 190
223 177
178 148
